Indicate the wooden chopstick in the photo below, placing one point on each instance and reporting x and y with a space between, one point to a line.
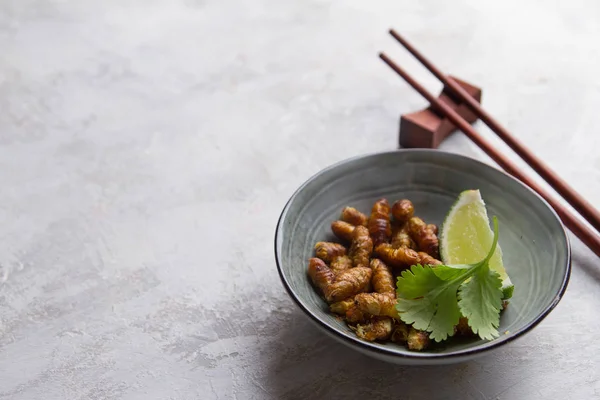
577 201
583 232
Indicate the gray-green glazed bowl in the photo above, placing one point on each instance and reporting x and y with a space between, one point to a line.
535 246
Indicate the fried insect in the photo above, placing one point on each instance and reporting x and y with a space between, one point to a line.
361 247
358 282
396 226
343 230
417 340
402 257
348 283
328 251
433 228
340 264
399 332
375 329
341 307
378 304
382 280
463 328
425 238
379 224
403 210
401 238
426 259
352 216
320 274
354 314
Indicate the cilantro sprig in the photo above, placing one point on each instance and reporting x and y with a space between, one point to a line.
432 299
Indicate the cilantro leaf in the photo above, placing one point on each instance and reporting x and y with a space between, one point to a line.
480 302
417 313
428 297
449 272
428 302
445 319
416 282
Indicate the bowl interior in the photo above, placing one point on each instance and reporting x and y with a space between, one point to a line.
534 243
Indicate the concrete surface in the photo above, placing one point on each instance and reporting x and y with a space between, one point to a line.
147 148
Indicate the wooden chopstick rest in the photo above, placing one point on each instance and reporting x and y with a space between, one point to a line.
428 128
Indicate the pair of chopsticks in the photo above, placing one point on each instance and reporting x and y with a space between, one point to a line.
588 236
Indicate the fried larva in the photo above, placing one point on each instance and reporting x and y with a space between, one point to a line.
354 314
417 340
375 329
379 304
342 307
403 210
426 259
433 228
402 257
320 274
358 282
343 230
399 332
401 238
348 283
352 216
425 238
382 280
379 224
463 328
340 264
361 247
328 251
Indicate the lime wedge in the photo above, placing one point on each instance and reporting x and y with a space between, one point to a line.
466 237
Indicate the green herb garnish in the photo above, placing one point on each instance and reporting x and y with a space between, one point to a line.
432 299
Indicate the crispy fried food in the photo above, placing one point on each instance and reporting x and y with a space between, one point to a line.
320 274
463 328
417 340
348 283
328 251
340 264
399 332
396 226
343 230
380 227
379 304
426 259
433 228
352 216
375 329
425 238
382 280
361 247
401 238
341 307
358 281
402 257
403 210
337 288
354 314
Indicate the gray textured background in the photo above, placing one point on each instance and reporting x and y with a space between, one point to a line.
148 147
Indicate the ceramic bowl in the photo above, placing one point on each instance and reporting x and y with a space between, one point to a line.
535 246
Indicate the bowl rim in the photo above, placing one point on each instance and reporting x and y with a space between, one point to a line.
368 346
